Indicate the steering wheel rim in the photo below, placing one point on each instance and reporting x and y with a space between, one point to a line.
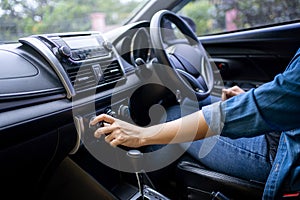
190 83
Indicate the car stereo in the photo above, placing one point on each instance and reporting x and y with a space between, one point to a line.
83 61
78 47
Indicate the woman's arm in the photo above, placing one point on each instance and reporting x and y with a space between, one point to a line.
185 129
188 128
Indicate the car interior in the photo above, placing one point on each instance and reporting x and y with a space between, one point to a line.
52 86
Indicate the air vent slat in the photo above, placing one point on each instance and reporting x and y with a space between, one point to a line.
87 77
82 78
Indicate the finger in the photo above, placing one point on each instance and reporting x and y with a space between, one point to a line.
109 138
224 94
114 143
225 91
235 88
223 97
104 130
231 93
238 90
118 141
106 124
103 117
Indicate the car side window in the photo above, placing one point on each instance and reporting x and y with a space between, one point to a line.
217 16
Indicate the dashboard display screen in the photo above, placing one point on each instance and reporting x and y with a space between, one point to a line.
81 42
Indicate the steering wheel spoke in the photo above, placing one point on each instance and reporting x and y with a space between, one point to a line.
186 55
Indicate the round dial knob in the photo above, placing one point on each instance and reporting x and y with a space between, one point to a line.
108 45
64 51
124 112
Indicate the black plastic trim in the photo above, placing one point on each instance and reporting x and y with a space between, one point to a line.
10 105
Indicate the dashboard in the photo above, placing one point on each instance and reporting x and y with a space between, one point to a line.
78 75
51 86
71 77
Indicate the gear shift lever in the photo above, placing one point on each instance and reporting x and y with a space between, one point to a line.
146 192
136 156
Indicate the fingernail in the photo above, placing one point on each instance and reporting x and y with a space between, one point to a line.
92 123
114 146
97 135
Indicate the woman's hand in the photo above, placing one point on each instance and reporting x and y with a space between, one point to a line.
185 129
118 132
230 92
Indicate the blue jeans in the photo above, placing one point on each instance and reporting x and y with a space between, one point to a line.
246 158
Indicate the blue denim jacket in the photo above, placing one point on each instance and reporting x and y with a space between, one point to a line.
274 106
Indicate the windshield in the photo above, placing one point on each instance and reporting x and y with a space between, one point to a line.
19 18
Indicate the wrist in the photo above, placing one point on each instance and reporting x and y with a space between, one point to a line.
150 135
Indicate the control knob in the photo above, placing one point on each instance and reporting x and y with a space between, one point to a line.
107 45
110 112
64 51
124 111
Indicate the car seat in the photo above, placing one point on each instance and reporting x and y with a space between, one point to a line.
195 181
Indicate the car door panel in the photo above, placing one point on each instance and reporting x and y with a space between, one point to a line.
252 57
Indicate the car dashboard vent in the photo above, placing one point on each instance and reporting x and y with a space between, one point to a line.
82 78
89 77
111 72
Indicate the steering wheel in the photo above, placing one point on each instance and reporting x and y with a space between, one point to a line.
186 56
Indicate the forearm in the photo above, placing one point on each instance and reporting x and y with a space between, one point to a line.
185 129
